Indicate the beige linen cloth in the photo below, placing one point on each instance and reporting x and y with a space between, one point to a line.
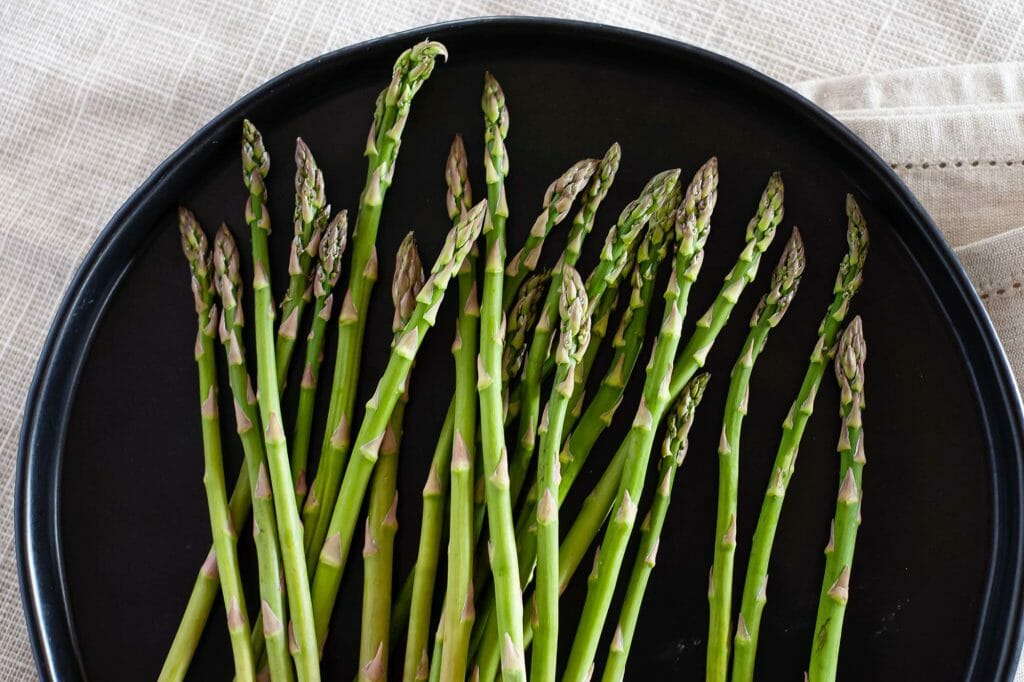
95 93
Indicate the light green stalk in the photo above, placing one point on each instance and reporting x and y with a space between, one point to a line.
421 581
692 227
748 624
225 538
784 282
672 454
411 70
382 518
271 635
335 552
835 588
255 164
325 276
574 337
309 222
504 566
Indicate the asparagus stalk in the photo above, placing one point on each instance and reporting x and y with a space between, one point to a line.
325 276
672 454
273 610
504 565
692 227
835 588
459 608
411 69
784 282
458 200
255 164
748 625
382 520
332 559
614 258
573 340
558 199
197 252
598 331
309 221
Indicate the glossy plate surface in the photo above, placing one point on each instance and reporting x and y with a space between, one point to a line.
112 520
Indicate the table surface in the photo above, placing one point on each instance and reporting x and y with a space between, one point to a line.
96 97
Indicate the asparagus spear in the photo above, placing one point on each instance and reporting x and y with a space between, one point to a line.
558 200
573 340
614 258
522 317
495 458
309 221
748 625
672 454
459 609
692 227
331 563
784 282
835 588
273 610
325 276
255 164
197 252
411 69
458 200
382 521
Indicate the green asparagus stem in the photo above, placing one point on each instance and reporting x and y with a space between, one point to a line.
692 227
672 454
204 593
504 565
835 588
325 276
614 258
435 661
255 164
273 609
421 581
574 337
558 200
196 249
598 331
382 519
784 282
332 559
748 625
411 70
424 575
459 596
309 221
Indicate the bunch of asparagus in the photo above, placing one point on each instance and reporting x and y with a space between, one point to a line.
520 427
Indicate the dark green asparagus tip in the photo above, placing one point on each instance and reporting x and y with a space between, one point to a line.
226 266
522 319
574 310
193 241
850 358
681 417
769 212
784 283
333 241
309 187
407 281
493 103
693 219
254 154
851 270
460 196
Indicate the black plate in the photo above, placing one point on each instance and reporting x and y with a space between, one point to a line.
111 517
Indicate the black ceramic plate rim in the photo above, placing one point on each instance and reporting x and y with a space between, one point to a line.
51 394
